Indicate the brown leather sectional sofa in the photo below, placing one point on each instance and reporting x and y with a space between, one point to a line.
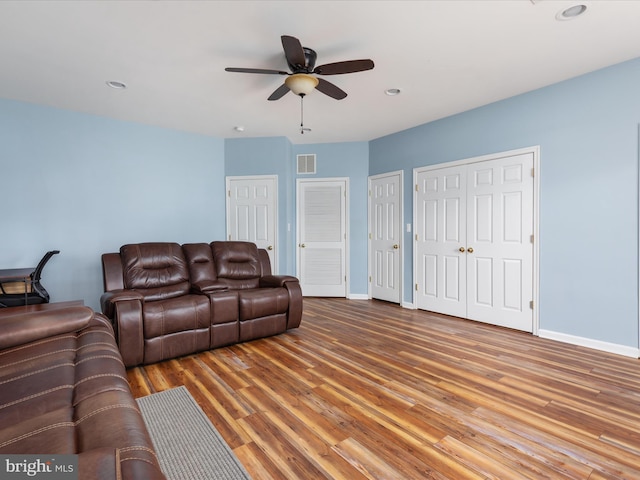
64 390
167 300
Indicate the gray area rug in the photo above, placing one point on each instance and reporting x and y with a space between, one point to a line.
188 445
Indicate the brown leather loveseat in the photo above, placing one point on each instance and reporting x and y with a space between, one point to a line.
167 300
65 392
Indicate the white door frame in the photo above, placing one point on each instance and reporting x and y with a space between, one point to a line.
399 173
535 150
274 253
347 234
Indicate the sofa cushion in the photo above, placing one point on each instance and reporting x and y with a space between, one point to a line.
188 312
262 302
157 270
237 263
200 261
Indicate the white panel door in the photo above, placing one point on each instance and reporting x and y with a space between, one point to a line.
322 237
499 241
252 212
474 249
440 241
385 234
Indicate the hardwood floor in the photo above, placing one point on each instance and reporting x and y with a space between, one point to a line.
366 389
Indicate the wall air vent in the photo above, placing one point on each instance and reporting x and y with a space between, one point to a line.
306 163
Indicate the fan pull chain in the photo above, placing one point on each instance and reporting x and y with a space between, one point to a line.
302 129
301 114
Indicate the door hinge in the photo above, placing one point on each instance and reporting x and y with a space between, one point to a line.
369 278
229 193
533 172
531 238
369 192
416 287
416 237
370 237
417 188
531 304
229 237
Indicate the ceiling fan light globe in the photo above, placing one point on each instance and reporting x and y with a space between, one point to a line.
301 83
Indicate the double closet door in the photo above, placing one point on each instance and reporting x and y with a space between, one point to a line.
474 230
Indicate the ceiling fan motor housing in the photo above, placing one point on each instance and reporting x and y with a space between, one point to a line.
310 57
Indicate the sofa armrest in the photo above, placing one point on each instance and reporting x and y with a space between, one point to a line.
128 325
20 328
272 281
109 299
292 284
208 286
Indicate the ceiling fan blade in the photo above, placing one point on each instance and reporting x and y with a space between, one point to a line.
280 92
350 66
255 70
293 52
330 89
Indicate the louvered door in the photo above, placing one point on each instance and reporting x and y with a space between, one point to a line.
322 237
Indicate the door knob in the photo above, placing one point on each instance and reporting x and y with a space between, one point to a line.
461 249
396 246
301 245
270 247
470 249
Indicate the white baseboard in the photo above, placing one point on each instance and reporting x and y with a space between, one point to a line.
358 296
590 343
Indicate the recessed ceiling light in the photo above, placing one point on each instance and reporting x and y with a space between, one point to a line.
392 91
571 12
116 85
239 128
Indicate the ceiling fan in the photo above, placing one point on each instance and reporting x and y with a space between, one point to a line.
301 61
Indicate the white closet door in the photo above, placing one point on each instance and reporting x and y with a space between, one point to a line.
322 226
385 227
499 242
252 212
440 236
474 240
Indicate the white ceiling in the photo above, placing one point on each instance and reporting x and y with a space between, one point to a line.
446 57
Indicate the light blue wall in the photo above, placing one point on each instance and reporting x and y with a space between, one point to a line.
351 160
587 129
87 185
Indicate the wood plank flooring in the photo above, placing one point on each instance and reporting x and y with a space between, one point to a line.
367 389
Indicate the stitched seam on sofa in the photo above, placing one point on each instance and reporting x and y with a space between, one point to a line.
102 375
118 467
98 392
139 459
35 372
104 344
105 409
36 432
95 357
37 357
135 448
104 321
36 343
35 395
138 448
94 331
